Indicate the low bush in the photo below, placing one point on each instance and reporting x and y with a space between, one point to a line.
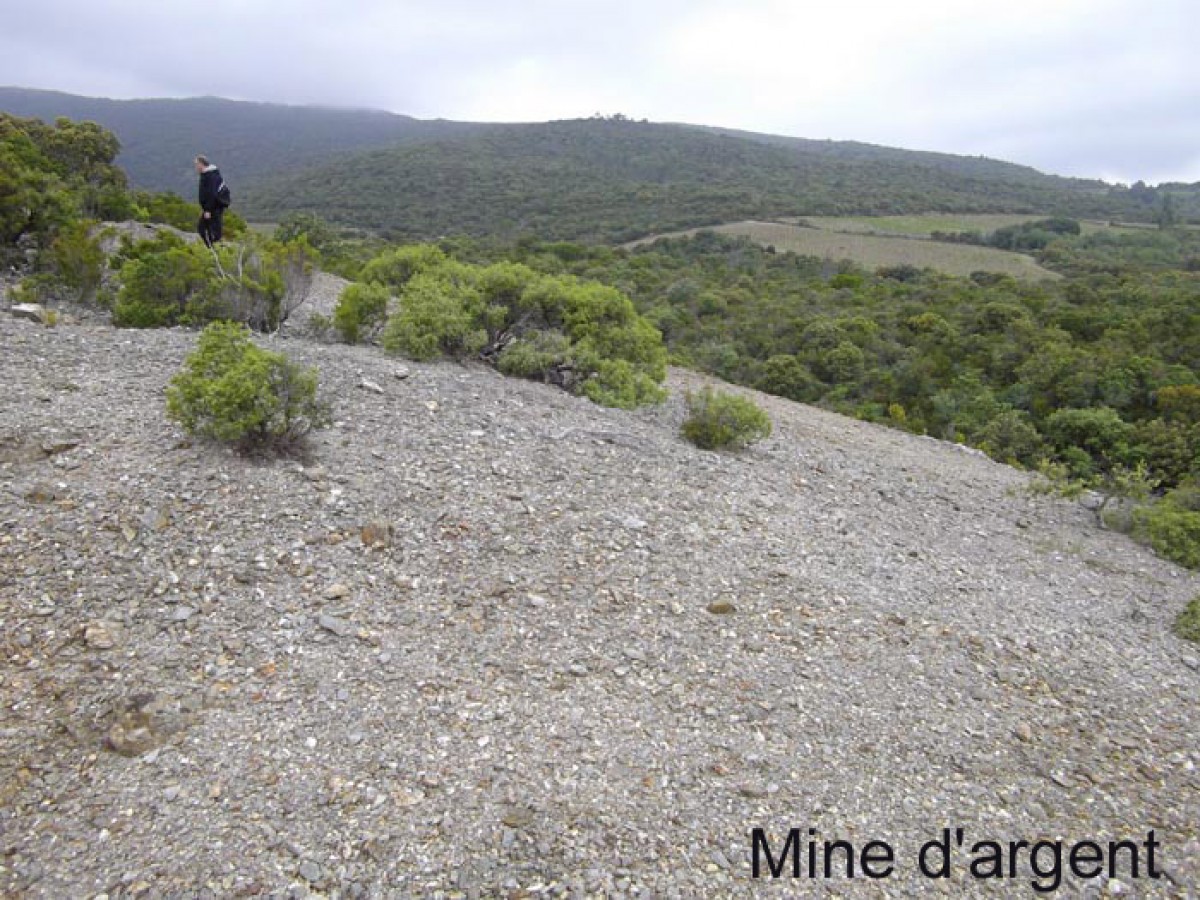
169 282
541 357
78 260
1171 529
360 311
166 283
436 317
44 288
233 392
584 337
1011 438
718 421
1187 623
1089 441
397 267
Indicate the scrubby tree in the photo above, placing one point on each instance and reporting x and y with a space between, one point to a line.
1011 438
52 174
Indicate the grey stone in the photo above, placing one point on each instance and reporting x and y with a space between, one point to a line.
101 635
34 312
55 446
340 627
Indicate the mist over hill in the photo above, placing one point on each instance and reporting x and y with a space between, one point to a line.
159 138
588 179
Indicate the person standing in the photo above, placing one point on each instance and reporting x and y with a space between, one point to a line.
212 212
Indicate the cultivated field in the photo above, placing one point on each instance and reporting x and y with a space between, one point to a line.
925 225
912 226
873 250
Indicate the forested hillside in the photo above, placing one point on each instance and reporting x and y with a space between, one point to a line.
594 179
615 179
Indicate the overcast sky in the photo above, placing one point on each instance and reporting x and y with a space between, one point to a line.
1096 88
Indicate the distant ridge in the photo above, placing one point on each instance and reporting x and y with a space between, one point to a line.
597 179
617 180
159 137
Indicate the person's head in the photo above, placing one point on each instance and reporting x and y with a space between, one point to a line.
201 163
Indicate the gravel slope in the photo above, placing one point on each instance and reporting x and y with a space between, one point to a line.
572 655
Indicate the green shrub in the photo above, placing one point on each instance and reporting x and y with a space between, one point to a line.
128 248
841 365
786 376
319 233
542 356
720 420
1172 529
617 382
1170 448
51 174
1187 624
168 282
618 356
1089 440
1180 402
1011 438
167 208
435 317
43 288
582 336
396 268
233 392
78 260
157 288
360 309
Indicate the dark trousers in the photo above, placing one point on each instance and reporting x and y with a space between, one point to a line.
210 228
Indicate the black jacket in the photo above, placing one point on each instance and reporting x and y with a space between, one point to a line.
210 182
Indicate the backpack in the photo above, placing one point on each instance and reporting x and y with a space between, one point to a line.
224 197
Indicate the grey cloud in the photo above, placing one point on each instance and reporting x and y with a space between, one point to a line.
1113 95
